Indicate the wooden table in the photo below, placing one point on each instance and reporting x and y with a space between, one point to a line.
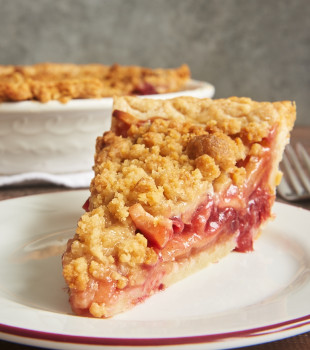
300 342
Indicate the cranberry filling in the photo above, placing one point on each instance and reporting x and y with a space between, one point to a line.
145 89
86 205
210 220
258 211
200 218
177 225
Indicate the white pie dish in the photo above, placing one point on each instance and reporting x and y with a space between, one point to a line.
60 138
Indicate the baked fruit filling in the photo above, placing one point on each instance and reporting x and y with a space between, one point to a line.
178 184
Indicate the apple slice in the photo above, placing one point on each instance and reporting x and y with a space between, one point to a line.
158 230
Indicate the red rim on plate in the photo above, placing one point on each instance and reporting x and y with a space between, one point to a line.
205 338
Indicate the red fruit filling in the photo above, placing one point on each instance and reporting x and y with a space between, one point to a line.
209 221
145 89
86 205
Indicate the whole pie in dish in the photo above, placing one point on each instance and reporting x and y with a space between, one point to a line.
63 82
178 184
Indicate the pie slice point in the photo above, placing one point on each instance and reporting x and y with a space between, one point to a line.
178 184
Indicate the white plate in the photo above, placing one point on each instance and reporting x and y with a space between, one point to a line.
245 299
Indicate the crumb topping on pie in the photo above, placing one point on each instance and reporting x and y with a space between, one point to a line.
63 82
173 180
161 164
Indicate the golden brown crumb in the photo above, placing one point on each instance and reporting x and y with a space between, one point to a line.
233 116
76 273
98 310
159 164
63 82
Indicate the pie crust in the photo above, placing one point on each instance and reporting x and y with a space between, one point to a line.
178 184
63 82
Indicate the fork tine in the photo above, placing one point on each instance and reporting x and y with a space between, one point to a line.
284 189
302 176
288 170
304 156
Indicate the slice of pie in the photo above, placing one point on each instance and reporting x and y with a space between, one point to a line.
178 184
63 82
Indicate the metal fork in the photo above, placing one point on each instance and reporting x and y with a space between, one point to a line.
295 183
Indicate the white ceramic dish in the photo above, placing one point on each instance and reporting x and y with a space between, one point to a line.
243 300
60 138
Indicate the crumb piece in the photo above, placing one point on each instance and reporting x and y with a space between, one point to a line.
255 149
207 167
133 251
219 146
98 310
121 280
76 274
238 176
278 178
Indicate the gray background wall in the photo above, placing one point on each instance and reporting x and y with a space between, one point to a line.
255 48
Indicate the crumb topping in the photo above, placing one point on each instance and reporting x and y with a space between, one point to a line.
160 163
63 82
249 119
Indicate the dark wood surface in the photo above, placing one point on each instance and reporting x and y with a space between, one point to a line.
300 342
